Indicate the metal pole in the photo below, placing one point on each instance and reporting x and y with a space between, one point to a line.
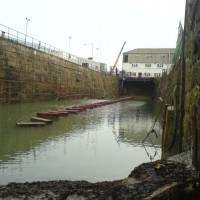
92 48
97 53
69 43
27 20
194 138
8 32
69 46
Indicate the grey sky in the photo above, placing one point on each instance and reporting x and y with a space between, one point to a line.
105 23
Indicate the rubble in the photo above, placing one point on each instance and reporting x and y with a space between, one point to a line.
154 180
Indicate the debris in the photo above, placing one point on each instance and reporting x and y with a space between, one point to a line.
176 182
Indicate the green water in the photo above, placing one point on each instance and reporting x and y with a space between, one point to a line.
95 145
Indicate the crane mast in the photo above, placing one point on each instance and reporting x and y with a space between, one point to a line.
115 65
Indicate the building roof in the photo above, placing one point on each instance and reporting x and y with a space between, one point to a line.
151 50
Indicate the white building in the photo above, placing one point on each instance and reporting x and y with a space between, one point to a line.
147 62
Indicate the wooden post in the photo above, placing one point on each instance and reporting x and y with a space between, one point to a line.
170 138
164 123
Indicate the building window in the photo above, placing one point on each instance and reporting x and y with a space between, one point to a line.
159 65
125 59
149 56
147 65
147 75
162 56
134 65
133 74
157 74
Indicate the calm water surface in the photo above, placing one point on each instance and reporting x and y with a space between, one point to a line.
95 145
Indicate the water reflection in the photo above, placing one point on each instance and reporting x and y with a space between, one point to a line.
100 144
135 119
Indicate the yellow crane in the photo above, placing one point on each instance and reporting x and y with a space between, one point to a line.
115 65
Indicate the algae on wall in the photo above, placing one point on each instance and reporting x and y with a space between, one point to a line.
27 75
191 58
168 94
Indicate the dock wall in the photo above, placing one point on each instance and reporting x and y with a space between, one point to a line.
181 89
28 75
191 120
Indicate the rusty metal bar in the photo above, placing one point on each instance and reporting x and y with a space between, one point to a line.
164 123
194 138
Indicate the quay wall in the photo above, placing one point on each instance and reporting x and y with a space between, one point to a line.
181 89
28 75
192 69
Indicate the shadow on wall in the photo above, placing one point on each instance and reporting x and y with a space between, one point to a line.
139 89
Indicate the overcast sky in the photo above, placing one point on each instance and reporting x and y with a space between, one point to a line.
105 23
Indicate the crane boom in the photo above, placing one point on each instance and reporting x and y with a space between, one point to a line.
115 65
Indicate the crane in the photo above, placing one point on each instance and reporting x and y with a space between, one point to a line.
115 65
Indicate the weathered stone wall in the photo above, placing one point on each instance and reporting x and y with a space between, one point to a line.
186 84
29 75
192 58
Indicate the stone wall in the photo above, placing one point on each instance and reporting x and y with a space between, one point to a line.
181 88
192 59
28 75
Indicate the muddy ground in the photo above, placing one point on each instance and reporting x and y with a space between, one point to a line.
143 181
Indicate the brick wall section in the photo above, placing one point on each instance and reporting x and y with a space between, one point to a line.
28 75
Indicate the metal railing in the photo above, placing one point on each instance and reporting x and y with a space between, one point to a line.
23 39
